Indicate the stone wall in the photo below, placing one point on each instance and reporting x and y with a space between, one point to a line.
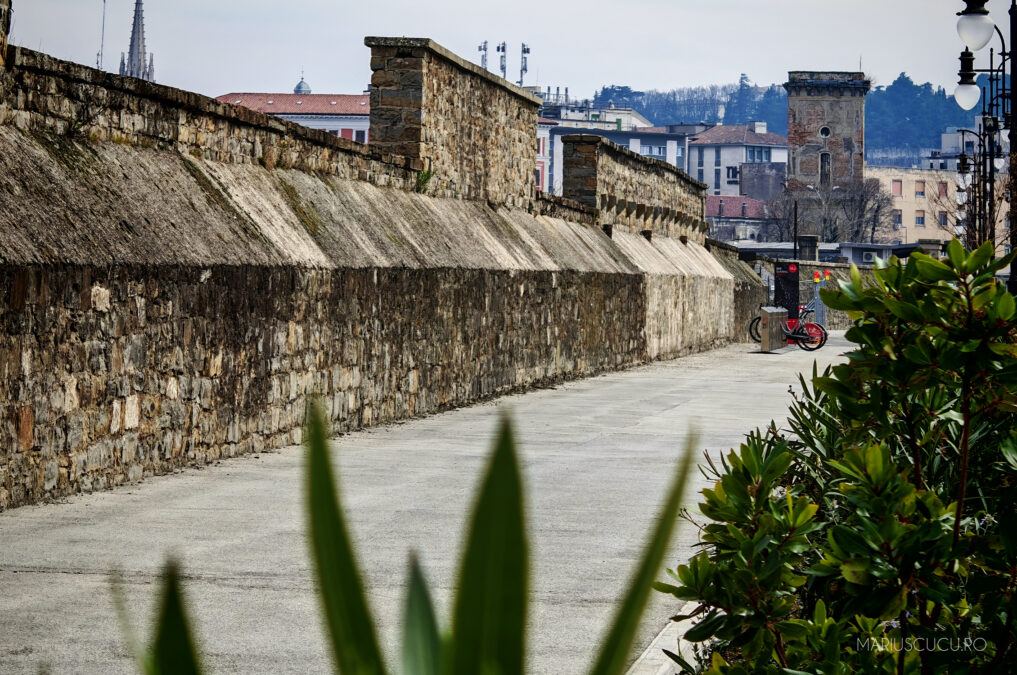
5 28
633 192
110 376
750 293
475 132
178 277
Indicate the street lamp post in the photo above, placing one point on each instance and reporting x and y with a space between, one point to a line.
976 28
980 177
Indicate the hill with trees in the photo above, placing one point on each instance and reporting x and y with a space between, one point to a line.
902 118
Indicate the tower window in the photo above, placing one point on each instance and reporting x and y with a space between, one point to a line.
825 132
824 169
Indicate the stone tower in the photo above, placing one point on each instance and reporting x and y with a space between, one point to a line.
133 64
5 28
826 128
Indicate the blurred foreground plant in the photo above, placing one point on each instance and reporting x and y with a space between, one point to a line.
488 633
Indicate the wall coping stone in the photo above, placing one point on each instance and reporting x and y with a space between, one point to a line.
614 148
436 49
30 60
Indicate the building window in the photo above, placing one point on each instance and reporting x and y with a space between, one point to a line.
920 218
757 154
825 132
942 218
358 135
716 179
919 188
716 156
943 188
699 175
700 162
824 169
536 176
898 188
898 219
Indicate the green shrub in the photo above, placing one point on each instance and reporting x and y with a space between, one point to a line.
488 632
880 535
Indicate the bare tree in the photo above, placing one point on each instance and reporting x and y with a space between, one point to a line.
960 218
780 221
858 212
867 209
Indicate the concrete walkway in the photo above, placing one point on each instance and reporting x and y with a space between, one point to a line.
597 456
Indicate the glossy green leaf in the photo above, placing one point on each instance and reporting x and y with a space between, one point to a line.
707 628
1005 307
979 257
933 269
350 626
490 608
955 252
615 648
173 652
421 642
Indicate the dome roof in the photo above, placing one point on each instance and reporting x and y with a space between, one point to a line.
302 87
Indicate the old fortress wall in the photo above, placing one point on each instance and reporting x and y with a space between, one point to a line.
178 276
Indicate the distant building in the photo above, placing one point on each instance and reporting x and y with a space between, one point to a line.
668 147
763 181
134 63
5 28
345 115
826 127
544 127
734 218
584 115
924 203
716 155
954 142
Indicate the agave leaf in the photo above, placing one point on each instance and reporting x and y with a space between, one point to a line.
617 644
350 627
489 625
421 644
173 651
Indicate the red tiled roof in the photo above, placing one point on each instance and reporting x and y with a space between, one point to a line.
737 134
302 104
754 208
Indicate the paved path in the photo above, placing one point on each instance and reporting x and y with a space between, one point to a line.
597 455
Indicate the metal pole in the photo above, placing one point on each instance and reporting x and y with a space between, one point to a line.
1011 283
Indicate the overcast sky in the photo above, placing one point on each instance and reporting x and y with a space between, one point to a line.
220 46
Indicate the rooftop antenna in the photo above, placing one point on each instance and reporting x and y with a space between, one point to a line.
102 39
504 65
522 63
483 54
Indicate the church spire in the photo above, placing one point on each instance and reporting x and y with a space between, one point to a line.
134 65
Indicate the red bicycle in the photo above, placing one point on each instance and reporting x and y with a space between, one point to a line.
808 335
